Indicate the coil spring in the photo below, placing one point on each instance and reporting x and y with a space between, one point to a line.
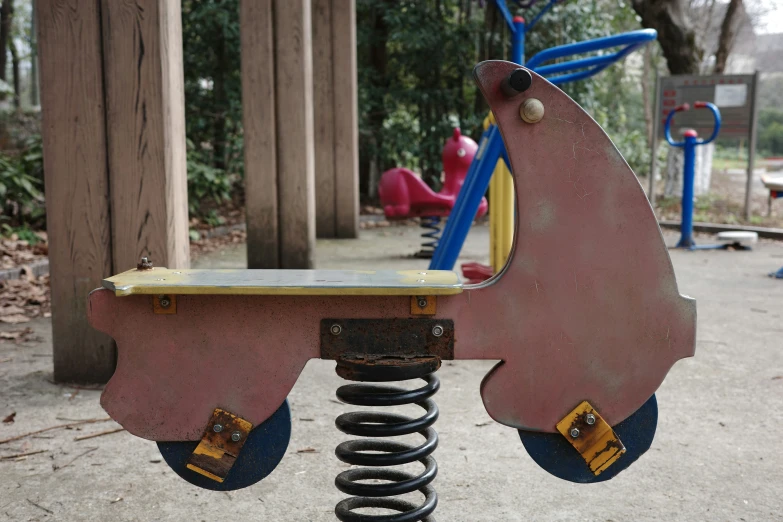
431 237
389 453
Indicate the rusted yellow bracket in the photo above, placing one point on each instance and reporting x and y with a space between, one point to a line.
220 445
592 437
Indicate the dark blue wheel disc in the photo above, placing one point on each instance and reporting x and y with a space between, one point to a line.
264 449
555 454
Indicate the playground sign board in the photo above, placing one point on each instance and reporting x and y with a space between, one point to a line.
735 97
732 93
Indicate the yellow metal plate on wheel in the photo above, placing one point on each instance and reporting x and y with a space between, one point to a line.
592 437
158 281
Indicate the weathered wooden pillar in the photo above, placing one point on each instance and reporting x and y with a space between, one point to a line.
114 163
77 182
335 116
258 117
346 124
145 119
277 97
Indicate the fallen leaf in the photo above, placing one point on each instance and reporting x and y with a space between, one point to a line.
118 499
307 450
10 418
11 310
15 319
484 423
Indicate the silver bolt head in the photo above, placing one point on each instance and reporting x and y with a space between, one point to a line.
422 303
336 329
217 428
437 330
531 110
164 301
574 433
236 436
590 419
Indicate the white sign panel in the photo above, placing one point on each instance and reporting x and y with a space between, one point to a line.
731 95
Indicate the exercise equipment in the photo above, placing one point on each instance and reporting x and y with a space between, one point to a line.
735 239
586 320
404 195
493 158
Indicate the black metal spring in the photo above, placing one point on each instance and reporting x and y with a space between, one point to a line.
389 453
431 237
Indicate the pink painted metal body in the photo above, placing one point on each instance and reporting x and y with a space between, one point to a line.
587 307
404 195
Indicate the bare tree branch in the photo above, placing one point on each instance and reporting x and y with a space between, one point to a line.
726 39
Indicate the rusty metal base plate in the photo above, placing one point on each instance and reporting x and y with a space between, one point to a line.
387 337
219 448
557 456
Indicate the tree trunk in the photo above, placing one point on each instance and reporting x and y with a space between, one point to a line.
6 18
726 39
33 59
219 99
675 33
15 71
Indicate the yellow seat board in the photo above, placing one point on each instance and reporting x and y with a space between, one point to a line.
284 282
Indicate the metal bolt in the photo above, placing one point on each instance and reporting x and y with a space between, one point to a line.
164 301
236 436
531 110
437 330
574 433
590 419
518 81
217 428
422 302
336 329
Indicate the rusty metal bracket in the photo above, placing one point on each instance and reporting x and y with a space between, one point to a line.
592 437
220 445
164 304
404 338
424 304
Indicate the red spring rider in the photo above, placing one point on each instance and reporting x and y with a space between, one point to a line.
404 194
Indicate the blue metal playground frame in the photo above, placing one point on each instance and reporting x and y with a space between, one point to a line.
491 147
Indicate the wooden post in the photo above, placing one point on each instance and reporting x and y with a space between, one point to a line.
324 119
258 114
294 109
145 107
77 186
346 126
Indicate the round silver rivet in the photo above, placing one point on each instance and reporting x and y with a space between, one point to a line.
420 281
336 329
236 436
574 432
590 419
217 428
531 110
437 330
422 303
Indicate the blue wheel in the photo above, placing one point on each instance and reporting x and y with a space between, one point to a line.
555 455
264 449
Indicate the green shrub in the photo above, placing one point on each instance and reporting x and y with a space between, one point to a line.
21 187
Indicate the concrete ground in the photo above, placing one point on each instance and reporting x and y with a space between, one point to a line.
717 456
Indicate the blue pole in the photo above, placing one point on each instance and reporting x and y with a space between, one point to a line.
518 41
686 228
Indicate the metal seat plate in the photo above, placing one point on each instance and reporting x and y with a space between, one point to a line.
284 282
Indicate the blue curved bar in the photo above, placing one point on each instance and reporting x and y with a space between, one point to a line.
597 44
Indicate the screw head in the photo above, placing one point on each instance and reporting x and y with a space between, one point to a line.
437 330
574 433
217 428
236 436
531 110
164 301
336 329
422 302
590 419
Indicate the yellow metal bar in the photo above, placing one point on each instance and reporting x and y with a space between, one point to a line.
506 215
159 281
